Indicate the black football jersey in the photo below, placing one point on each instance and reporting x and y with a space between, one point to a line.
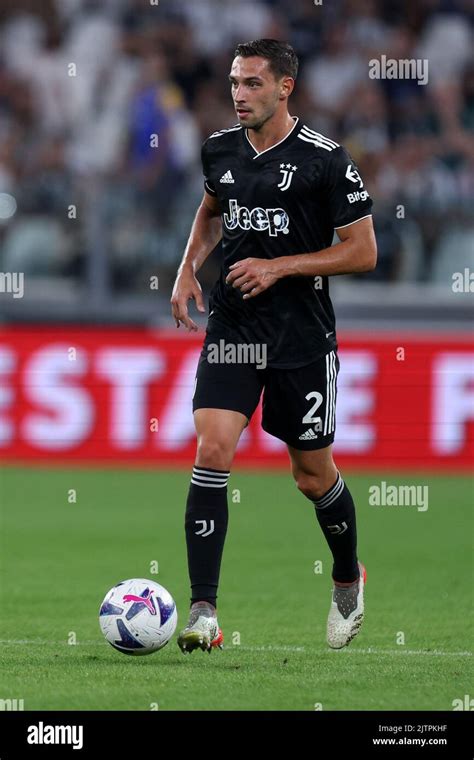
282 201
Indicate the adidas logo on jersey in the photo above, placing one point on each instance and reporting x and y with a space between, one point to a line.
310 435
227 178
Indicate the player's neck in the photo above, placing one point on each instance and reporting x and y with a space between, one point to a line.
271 133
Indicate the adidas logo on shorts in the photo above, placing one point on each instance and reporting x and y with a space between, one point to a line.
310 435
227 178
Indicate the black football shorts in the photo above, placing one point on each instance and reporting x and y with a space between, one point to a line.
299 405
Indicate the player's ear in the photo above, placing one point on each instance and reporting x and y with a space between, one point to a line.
286 88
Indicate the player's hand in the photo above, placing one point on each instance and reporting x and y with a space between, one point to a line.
253 276
186 287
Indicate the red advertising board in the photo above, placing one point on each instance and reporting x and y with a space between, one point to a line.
123 395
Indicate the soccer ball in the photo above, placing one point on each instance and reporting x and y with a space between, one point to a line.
138 616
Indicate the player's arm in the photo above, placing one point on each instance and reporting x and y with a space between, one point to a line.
357 252
205 234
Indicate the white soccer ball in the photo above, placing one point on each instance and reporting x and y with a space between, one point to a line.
138 616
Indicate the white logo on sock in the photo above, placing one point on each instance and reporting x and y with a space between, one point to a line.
203 530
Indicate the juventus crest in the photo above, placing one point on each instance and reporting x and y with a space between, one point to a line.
287 170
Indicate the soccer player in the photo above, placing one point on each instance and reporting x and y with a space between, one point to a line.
275 191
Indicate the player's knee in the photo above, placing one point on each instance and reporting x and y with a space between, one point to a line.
216 454
312 485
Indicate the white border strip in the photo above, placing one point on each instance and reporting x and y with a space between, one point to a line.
354 222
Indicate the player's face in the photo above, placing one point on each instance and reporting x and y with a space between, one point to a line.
255 91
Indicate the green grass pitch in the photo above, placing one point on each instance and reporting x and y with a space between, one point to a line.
60 557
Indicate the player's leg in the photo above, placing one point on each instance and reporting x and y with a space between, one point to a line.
225 397
218 432
317 477
308 395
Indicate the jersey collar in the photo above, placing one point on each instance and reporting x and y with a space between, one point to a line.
253 151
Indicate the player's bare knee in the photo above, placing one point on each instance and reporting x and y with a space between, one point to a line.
214 453
312 485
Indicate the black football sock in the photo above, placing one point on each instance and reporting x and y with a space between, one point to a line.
206 526
336 515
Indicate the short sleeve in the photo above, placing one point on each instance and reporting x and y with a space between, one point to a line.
347 197
208 185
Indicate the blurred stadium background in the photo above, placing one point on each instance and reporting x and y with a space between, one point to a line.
93 371
84 140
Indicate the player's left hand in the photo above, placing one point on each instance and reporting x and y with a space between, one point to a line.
252 276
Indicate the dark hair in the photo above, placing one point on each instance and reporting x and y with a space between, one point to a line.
283 61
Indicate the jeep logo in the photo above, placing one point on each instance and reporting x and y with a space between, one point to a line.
274 220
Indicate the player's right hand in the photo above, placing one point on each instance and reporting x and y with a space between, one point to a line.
186 287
